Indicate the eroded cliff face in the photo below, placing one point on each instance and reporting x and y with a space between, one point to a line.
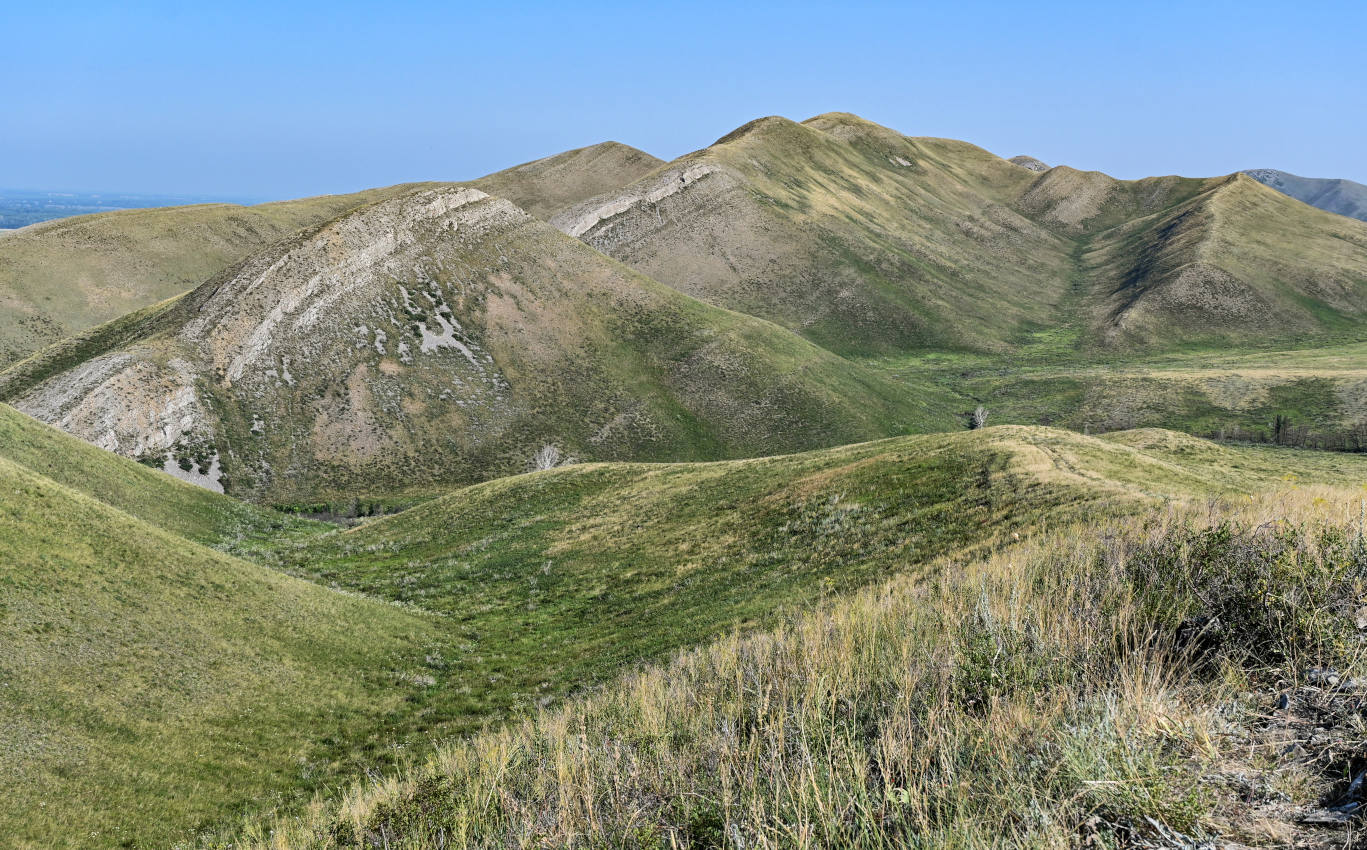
438 338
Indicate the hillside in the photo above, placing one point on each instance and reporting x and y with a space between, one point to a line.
873 243
1344 197
61 277
860 239
564 576
152 685
174 506
1235 263
556 579
441 337
545 186
156 686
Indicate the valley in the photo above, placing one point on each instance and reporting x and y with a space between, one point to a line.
650 506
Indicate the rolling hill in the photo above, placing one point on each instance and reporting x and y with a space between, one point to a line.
155 686
557 579
889 254
1344 197
869 242
152 685
436 338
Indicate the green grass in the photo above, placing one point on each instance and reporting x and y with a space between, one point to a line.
182 509
1208 392
1034 697
153 686
158 687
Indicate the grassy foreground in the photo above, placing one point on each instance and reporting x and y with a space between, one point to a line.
1050 694
155 688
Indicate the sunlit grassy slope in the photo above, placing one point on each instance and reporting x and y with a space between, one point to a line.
155 686
1047 677
155 498
152 685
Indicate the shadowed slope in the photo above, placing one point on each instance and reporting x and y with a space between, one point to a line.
1237 263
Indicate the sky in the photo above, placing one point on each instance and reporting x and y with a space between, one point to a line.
286 99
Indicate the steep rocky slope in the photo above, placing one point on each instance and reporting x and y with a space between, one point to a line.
61 277
436 338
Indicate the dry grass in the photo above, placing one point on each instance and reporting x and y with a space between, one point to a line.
1008 702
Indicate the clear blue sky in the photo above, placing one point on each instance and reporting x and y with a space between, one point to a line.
284 99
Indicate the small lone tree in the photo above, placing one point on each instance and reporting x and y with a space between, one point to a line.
547 457
979 418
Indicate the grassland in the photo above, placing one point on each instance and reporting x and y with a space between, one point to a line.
152 686
1229 394
156 687
1043 694
556 580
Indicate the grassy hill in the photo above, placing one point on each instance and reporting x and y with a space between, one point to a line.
155 686
61 277
939 276
545 186
442 337
152 685
178 507
981 658
873 243
554 577
860 239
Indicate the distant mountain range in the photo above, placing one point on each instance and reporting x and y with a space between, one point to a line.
1344 197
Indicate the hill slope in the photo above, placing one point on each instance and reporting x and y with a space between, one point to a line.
545 186
872 243
858 238
1344 197
561 578
61 277
153 686
436 338
181 508
555 579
